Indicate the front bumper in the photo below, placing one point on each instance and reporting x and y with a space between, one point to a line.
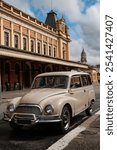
30 119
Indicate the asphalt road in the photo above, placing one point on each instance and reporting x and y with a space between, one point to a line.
38 138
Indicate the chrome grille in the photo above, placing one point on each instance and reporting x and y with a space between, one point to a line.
31 109
22 116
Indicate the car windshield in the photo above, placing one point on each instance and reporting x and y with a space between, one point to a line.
50 82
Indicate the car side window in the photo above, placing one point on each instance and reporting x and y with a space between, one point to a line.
75 82
89 80
86 80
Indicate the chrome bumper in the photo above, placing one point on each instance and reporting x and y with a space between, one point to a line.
30 119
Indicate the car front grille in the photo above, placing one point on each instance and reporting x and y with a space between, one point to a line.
28 109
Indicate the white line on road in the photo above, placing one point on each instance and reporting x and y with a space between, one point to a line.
64 141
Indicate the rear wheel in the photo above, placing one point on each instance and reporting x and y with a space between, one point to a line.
65 117
89 110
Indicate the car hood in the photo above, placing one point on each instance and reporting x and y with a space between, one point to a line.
35 96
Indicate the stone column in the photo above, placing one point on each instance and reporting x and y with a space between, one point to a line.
42 46
36 42
2 33
21 38
29 49
12 36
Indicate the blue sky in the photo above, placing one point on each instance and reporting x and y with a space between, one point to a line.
82 18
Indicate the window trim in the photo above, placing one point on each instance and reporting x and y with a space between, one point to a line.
8 45
50 50
24 37
39 48
79 76
15 34
32 47
55 52
45 49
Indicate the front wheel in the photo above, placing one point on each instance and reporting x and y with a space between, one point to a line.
65 120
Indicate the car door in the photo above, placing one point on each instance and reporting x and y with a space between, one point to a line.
78 92
86 86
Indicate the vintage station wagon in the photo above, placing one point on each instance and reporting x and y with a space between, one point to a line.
54 97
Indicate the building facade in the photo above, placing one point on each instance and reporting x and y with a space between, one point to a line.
29 47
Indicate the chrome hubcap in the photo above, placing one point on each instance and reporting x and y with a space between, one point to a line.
66 119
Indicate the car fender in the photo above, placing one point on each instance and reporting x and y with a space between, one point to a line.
15 101
65 100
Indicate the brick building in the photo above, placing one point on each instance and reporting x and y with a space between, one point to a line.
29 47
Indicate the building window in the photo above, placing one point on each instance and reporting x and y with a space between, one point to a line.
50 51
32 46
44 49
24 43
16 41
54 52
64 54
39 47
6 38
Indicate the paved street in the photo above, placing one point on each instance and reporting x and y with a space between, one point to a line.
37 138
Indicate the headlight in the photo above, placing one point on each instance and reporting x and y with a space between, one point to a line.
49 109
10 108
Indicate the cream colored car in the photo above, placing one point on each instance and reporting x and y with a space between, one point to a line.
54 97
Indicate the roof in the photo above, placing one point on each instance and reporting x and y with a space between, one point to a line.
66 73
51 19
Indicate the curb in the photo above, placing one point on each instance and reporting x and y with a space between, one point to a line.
64 141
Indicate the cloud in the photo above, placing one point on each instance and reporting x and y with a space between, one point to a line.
88 26
84 27
81 17
23 5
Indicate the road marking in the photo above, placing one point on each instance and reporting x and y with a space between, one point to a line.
64 141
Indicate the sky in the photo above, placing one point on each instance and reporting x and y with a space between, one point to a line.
81 16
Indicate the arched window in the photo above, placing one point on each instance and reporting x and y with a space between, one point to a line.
45 49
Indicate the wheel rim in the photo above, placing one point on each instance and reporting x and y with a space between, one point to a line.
66 119
90 110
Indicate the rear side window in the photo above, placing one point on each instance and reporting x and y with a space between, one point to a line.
86 80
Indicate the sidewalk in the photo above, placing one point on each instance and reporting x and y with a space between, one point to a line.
86 136
88 139
7 95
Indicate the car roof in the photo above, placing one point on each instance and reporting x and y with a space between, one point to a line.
66 73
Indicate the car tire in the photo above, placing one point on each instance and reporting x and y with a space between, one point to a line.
65 120
15 126
89 111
